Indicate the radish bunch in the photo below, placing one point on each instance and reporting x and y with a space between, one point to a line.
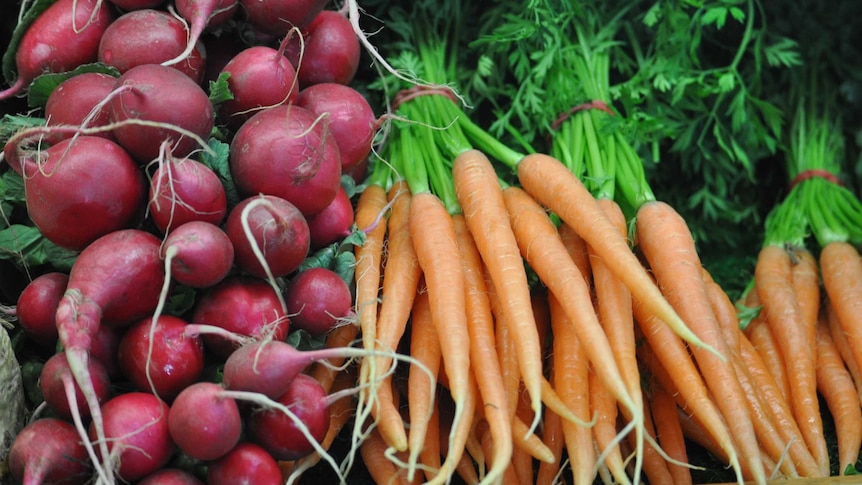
201 199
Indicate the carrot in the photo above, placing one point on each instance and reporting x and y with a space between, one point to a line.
483 352
433 235
482 429
341 336
382 470
841 271
432 449
764 343
655 465
795 337
478 191
605 434
843 346
541 247
558 189
667 244
552 437
669 433
838 390
521 460
577 249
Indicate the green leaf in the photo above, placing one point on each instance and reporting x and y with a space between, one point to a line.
11 124
26 246
218 160
12 188
738 14
44 85
9 67
180 301
714 16
726 82
302 340
784 53
219 91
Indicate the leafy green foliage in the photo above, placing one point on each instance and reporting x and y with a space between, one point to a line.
218 160
11 124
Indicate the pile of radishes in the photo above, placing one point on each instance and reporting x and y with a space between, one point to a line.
164 188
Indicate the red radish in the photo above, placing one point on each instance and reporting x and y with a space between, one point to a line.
105 345
280 435
73 101
288 152
163 95
201 254
136 425
277 17
273 226
57 383
329 52
67 197
333 223
200 15
359 172
150 36
350 116
245 463
129 5
204 424
171 476
176 359
61 38
317 300
242 305
260 77
37 304
184 190
49 450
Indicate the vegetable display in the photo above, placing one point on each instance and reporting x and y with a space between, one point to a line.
268 241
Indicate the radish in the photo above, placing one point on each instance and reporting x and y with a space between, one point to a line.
260 77
288 152
171 476
129 5
37 304
333 223
67 197
176 360
329 52
72 103
242 305
117 279
49 450
150 36
201 254
167 98
273 227
58 385
350 116
277 17
136 425
63 37
204 424
317 300
201 14
104 348
280 435
184 190
245 463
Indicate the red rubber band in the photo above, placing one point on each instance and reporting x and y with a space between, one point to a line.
815 172
595 104
407 94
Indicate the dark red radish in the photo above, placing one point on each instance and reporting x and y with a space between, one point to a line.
329 51
105 344
333 223
184 190
273 226
288 152
317 300
150 36
201 254
136 425
277 17
204 424
162 95
281 435
260 77
63 37
200 15
359 172
57 384
176 360
68 198
129 5
351 119
171 476
49 451
243 305
37 305
245 463
73 102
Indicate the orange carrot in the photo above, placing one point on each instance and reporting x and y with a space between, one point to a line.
382 470
795 337
552 437
482 429
577 249
841 270
655 465
342 336
838 390
669 434
521 460
666 241
421 386
840 341
761 337
605 433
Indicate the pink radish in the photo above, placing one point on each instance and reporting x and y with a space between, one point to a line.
104 348
273 227
63 37
171 476
329 52
201 254
201 14
277 17
37 305
73 100
204 424
49 450
333 223
57 384
317 300
245 463
184 190
129 5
